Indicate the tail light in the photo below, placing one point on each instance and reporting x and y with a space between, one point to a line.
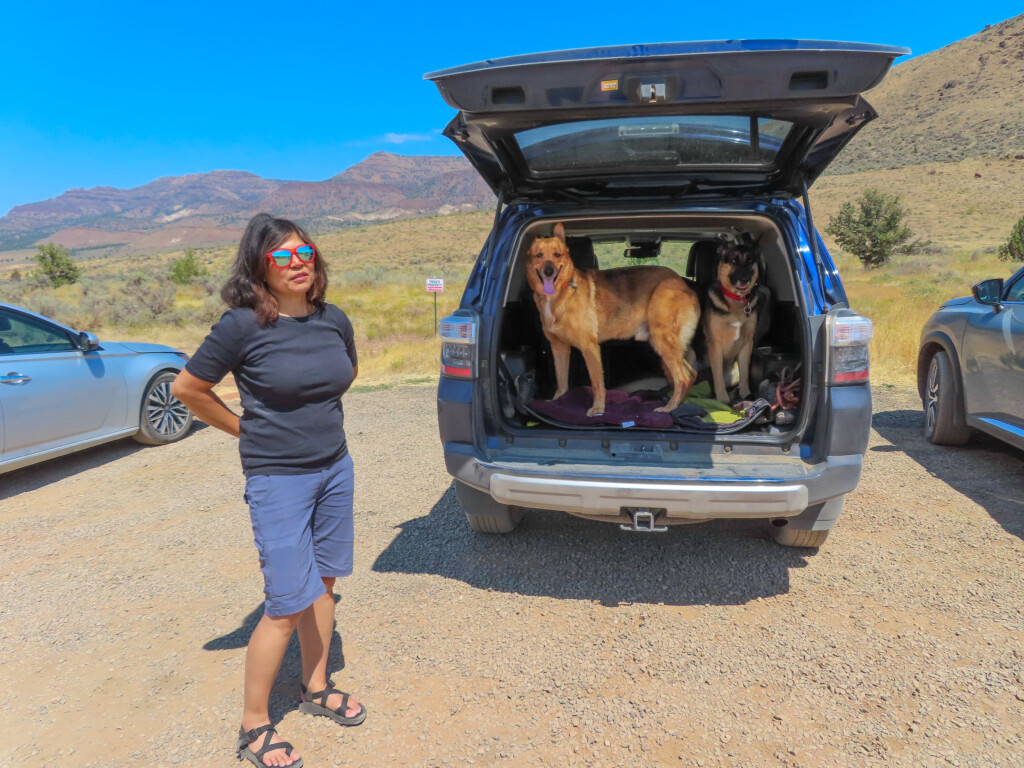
849 359
458 345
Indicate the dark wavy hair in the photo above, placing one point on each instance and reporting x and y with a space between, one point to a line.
247 286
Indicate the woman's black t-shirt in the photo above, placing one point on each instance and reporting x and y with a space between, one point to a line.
291 375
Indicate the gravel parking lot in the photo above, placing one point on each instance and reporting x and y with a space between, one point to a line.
129 585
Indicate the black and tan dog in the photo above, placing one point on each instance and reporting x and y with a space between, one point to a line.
583 307
730 312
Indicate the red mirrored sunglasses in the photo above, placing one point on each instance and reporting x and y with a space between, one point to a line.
282 257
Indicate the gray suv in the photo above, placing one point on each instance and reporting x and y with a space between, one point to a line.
664 151
970 368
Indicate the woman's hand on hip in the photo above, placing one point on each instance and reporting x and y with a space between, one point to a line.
199 397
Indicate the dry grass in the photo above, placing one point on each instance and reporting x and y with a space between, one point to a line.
901 296
397 361
963 206
427 247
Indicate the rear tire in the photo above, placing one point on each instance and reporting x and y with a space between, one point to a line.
811 527
792 537
484 514
163 418
944 418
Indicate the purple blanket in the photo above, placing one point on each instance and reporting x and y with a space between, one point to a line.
620 409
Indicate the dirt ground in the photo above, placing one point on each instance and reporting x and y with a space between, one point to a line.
129 585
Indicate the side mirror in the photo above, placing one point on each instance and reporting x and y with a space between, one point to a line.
989 291
87 342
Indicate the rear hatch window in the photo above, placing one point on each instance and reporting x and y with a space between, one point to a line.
654 143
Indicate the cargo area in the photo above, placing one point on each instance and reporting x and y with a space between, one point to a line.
633 371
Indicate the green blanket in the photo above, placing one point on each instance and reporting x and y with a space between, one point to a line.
717 412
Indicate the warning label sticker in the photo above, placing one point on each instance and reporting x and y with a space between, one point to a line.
609 85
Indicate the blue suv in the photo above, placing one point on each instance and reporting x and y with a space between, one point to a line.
667 151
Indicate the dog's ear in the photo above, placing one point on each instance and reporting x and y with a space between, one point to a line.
559 232
723 250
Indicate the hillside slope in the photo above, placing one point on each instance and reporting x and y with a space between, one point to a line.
961 101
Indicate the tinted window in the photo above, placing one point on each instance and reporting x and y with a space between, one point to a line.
22 335
653 143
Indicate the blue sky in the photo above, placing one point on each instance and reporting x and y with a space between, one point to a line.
119 94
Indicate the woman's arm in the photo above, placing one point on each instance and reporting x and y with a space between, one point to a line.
198 395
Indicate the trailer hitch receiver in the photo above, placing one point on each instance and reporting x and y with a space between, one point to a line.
642 520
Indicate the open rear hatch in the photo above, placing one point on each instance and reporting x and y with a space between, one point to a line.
749 117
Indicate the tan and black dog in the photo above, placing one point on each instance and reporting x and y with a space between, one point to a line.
730 311
583 307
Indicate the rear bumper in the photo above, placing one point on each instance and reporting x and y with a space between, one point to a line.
598 492
684 500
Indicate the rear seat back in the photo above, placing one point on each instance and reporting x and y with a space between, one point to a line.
581 251
702 263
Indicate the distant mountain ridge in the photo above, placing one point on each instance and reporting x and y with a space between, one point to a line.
205 208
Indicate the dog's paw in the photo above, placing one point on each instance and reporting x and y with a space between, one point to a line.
664 409
595 412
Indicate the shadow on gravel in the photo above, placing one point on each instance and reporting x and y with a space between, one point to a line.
558 555
987 471
36 476
284 696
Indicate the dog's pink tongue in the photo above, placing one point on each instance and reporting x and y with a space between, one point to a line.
549 286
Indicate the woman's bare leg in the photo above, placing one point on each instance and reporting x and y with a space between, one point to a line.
262 663
316 626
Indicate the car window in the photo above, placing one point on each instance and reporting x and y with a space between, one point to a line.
1016 290
23 335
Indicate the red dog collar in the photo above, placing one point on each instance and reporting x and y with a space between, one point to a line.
733 296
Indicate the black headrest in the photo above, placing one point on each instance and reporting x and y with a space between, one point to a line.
5 324
581 251
702 263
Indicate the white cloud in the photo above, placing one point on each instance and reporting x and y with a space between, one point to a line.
404 138
394 138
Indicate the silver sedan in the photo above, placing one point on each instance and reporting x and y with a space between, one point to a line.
62 390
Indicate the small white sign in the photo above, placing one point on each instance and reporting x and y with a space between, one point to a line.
435 285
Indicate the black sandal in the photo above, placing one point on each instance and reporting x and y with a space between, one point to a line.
246 738
311 706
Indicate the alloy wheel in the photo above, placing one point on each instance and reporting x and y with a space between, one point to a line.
932 408
165 413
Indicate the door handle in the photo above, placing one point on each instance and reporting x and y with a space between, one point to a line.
14 378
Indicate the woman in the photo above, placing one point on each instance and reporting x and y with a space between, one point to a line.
293 356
